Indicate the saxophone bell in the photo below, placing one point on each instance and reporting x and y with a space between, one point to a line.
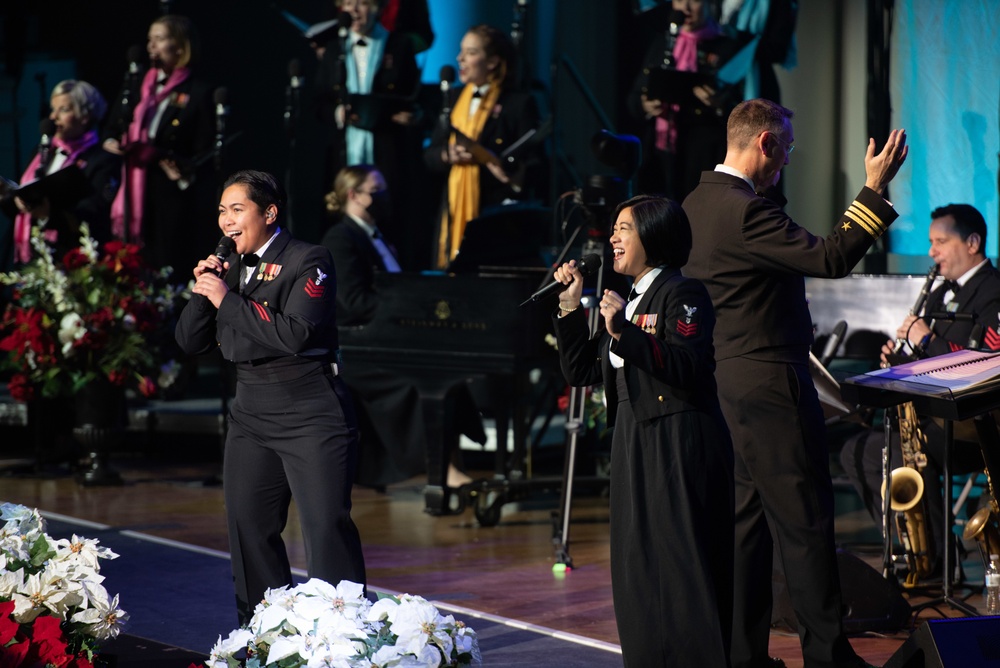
984 528
906 496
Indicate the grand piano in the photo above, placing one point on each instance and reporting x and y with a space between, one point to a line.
437 330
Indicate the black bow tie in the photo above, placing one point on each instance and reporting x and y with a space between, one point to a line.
250 260
478 93
361 42
950 285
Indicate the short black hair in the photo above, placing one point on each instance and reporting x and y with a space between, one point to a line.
262 189
968 221
663 229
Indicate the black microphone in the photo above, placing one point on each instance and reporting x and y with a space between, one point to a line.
447 77
344 21
954 317
47 130
225 248
833 343
587 265
221 112
292 94
976 337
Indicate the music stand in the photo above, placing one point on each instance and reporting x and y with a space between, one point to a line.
504 236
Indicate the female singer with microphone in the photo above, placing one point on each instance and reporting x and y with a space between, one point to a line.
77 110
171 126
292 431
671 456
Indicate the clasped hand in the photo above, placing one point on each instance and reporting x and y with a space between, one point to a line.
207 282
612 306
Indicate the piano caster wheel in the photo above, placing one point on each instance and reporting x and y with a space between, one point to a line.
487 508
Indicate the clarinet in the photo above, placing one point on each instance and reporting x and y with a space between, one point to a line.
919 304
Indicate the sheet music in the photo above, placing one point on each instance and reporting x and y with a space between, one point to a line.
960 370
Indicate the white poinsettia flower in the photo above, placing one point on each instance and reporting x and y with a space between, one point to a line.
104 619
346 600
417 623
291 645
35 597
236 641
71 329
466 642
10 582
329 659
85 551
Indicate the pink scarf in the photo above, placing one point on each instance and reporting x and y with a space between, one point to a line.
686 59
132 173
22 222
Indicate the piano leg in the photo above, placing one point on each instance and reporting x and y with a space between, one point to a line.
442 438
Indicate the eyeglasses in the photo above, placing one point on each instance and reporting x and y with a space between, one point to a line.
788 147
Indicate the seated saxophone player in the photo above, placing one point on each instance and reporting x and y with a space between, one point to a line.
971 287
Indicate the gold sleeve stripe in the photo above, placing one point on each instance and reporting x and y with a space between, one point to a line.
863 223
874 225
871 214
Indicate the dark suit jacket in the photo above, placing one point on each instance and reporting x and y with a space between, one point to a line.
292 314
514 114
668 370
355 261
980 295
752 257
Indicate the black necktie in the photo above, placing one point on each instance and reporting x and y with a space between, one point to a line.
477 93
361 42
250 260
632 294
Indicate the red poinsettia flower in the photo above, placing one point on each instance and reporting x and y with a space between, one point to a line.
48 645
147 387
117 377
8 627
122 257
74 259
26 330
21 389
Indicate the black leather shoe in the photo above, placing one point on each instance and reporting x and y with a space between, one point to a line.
774 662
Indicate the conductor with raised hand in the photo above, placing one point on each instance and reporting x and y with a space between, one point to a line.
753 257
292 430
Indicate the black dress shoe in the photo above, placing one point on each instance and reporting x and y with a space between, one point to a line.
774 662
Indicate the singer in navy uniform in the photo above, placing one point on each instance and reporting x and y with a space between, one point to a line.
292 430
971 287
169 130
671 457
752 258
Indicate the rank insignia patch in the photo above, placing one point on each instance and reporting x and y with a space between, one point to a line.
685 326
314 288
992 339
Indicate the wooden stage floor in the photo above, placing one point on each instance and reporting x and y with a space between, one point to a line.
505 570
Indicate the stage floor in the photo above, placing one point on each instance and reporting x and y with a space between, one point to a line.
504 571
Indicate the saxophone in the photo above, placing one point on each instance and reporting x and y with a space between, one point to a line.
906 494
906 498
984 527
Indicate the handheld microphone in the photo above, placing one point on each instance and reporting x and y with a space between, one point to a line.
588 265
225 248
833 343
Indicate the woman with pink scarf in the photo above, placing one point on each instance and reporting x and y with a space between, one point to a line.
77 109
172 124
682 139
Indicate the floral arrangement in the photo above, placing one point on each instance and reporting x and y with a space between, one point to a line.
94 313
316 624
54 611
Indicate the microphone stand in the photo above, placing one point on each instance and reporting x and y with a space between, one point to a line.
292 100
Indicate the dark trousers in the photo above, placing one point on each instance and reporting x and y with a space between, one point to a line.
288 439
671 538
784 499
